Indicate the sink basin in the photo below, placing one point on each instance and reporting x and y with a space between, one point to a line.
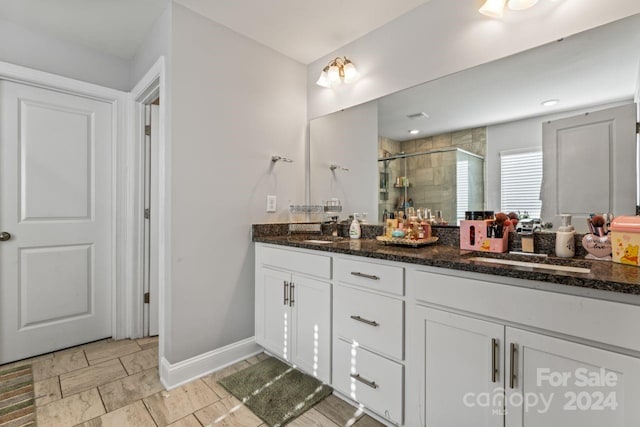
553 267
317 242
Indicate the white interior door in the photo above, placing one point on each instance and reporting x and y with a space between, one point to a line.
589 165
56 202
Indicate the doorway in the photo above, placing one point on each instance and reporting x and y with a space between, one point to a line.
150 228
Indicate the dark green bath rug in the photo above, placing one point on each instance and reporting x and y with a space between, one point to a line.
274 391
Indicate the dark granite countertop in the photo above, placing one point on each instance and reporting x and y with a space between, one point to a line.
604 275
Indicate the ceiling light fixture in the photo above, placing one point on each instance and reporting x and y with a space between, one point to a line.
414 131
339 70
550 102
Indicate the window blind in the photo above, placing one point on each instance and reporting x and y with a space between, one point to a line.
520 181
462 191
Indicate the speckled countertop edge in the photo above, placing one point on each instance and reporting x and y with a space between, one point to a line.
606 276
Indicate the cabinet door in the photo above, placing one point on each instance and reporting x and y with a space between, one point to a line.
566 384
273 314
311 327
462 367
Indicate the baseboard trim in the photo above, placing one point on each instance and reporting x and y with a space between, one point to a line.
177 374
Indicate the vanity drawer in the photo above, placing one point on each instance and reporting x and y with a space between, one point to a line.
372 380
373 320
385 278
299 262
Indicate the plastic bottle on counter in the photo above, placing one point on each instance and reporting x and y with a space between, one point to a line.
354 230
565 238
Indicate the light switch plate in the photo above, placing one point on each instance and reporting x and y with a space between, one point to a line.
271 203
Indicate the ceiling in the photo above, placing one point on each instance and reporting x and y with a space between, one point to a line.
595 67
115 27
300 29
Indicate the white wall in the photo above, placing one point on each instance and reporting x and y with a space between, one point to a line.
34 50
235 104
157 43
350 139
446 36
521 134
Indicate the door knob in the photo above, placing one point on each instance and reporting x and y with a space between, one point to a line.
4 236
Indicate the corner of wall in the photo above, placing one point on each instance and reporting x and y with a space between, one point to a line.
177 374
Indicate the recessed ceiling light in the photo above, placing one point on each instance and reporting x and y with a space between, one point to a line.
550 102
414 131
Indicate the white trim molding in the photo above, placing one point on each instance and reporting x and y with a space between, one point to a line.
174 375
151 86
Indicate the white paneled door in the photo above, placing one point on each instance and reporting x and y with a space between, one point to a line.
56 205
589 164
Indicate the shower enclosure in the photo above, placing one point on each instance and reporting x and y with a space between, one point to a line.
450 180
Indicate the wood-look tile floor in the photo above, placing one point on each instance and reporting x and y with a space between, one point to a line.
116 383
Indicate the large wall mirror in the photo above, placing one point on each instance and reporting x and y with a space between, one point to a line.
547 131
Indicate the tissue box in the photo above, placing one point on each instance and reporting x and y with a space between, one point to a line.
473 237
625 239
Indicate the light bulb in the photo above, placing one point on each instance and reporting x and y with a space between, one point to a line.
521 4
323 80
350 72
493 8
333 74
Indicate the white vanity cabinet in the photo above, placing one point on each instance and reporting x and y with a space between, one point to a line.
293 309
460 358
474 363
368 336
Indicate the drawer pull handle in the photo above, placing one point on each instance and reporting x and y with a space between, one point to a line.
286 293
371 384
512 362
292 288
368 322
366 276
494 354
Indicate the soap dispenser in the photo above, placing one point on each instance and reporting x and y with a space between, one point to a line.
565 238
355 231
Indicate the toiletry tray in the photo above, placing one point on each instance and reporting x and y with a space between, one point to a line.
401 241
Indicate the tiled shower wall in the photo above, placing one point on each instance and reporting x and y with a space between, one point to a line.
433 177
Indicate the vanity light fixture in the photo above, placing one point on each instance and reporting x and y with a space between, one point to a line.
495 8
550 102
521 4
338 70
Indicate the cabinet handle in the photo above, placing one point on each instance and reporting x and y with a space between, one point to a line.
366 276
494 354
368 322
371 384
512 362
291 293
286 292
